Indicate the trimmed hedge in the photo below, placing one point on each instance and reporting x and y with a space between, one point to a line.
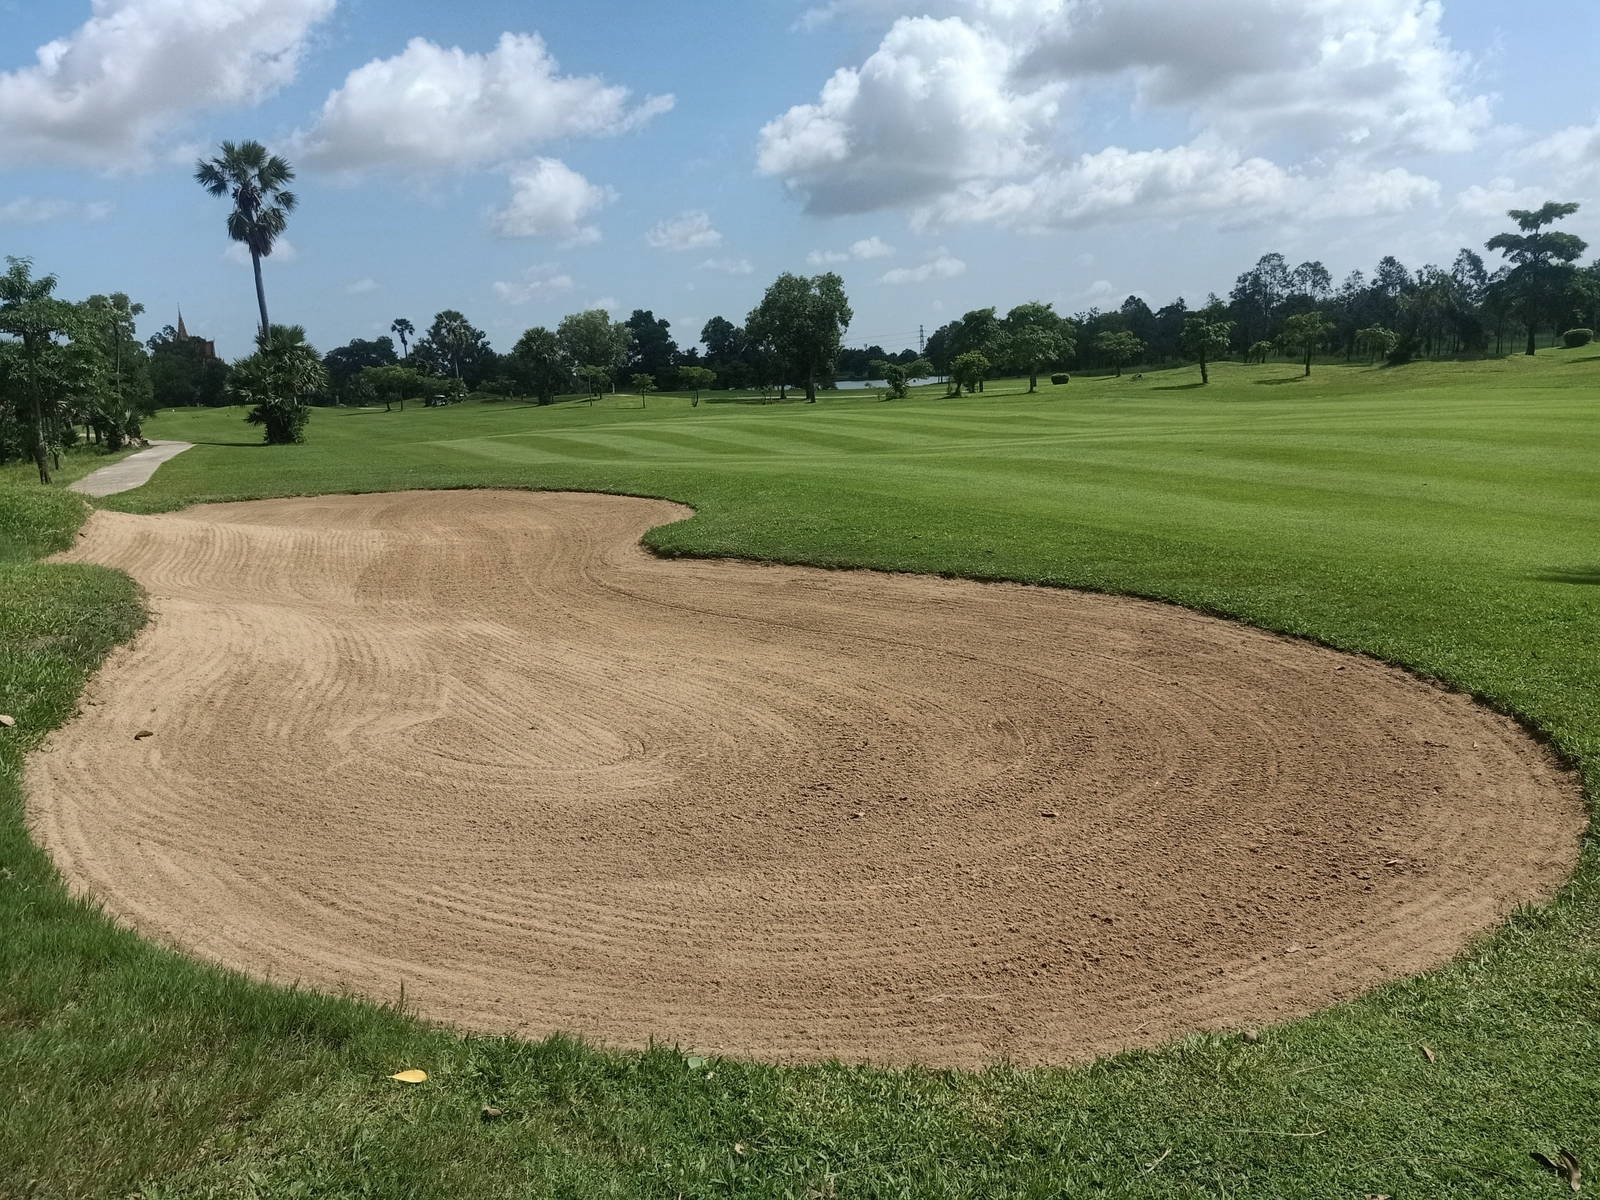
1061 377
1577 337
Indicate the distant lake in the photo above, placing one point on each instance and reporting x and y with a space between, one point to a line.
858 385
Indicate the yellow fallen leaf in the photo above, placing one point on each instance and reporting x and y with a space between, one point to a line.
8 722
410 1076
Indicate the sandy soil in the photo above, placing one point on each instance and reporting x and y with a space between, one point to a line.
483 744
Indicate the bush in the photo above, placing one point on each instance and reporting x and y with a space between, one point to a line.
1577 337
1060 377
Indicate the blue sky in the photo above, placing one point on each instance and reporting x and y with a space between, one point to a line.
941 156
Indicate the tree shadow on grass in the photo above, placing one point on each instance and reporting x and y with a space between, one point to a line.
1279 382
1584 359
1178 387
1578 575
255 445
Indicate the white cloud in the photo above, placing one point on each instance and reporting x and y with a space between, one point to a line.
437 107
108 92
608 303
686 231
550 198
1497 197
943 265
283 251
958 114
866 248
728 266
26 210
541 280
1353 73
1200 179
930 108
1570 159
361 287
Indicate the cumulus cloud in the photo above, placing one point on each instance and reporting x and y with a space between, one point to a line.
545 279
686 231
959 114
1355 73
106 94
26 210
932 106
361 287
866 248
1118 185
728 266
549 198
437 107
1497 197
943 265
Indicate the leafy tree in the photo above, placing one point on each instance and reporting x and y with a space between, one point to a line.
258 184
1376 341
803 321
597 344
899 375
978 332
1307 332
651 349
1205 336
539 365
31 313
940 348
1118 347
968 370
1035 337
1257 295
403 329
1542 261
183 371
351 361
1258 352
453 346
695 379
279 379
394 384
644 383
596 379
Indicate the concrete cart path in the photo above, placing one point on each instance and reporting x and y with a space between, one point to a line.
133 471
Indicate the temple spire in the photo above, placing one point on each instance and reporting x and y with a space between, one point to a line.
182 332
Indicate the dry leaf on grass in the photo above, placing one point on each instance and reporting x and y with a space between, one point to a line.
1564 1164
8 722
144 733
1427 1053
410 1076
490 1113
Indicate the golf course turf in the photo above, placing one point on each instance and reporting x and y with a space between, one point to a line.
1437 516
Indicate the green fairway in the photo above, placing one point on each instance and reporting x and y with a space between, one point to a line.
1441 516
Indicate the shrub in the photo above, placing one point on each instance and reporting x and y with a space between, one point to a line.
1060 377
1577 337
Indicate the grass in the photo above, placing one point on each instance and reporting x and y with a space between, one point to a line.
1440 516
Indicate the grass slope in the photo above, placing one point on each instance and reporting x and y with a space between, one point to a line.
1441 516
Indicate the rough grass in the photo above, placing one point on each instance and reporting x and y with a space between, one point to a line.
1439 516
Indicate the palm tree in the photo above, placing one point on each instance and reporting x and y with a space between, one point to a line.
403 329
261 204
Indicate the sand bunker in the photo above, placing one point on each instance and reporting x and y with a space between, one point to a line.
482 744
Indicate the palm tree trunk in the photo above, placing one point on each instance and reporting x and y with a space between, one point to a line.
1205 376
261 292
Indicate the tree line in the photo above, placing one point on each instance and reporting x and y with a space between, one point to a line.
74 371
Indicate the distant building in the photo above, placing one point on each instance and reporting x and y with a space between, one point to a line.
208 350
